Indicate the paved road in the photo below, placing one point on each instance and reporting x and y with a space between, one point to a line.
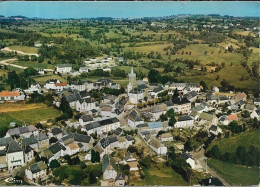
19 52
4 62
200 159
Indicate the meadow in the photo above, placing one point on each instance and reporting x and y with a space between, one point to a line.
245 139
236 175
165 177
24 49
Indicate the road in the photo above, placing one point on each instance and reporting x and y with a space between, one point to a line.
19 52
4 62
200 159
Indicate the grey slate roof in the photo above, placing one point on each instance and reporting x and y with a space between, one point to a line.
184 118
64 65
133 116
55 148
22 130
86 118
180 101
108 161
81 138
112 139
104 122
41 136
213 128
73 97
104 143
29 141
36 167
56 131
2 153
13 147
5 141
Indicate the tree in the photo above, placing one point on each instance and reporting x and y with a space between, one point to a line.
215 152
65 107
176 93
53 140
154 76
54 164
241 154
172 122
245 114
187 146
204 86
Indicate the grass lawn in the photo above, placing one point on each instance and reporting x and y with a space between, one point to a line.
244 139
231 73
165 177
44 78
34 64
236 175
5 121
24 49
136 69
12 107
35 115
197 53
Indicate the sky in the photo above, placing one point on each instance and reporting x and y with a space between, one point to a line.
62 10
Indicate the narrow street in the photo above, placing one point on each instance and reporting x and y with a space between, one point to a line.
200 159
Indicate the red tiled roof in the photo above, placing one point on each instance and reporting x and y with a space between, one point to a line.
61 84
5 93
232 117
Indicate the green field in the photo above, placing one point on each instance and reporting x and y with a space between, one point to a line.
244 139
34 115
34 64
42 79
165 177
236 175
24 49
5 121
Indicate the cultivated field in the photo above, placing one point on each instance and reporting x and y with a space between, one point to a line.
236 175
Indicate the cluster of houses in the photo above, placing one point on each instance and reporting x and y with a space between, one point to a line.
102 123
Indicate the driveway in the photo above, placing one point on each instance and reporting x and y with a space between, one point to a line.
200 159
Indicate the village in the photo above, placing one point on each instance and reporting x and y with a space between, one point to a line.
110 130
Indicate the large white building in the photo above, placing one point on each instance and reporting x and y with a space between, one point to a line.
5 95
14 155
64 68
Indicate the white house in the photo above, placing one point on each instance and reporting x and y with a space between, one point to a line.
109 168
25 131
255 114
134 119
64 68
85 119
215 130
50 84
157 146
84 105
28 154
83 69
14 155
5 95
188 159
166 137
36 171
184 122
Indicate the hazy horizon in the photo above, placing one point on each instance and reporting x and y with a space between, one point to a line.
136 9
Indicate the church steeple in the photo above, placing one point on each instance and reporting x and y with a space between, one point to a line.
132 76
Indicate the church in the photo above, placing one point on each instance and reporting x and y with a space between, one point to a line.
135 94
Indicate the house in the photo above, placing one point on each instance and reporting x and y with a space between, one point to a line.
25 131
223 99
135 95
211 182
240 96
107 110
215 130
157 111
83 69
72 148
36 171
54 152
131 161
121 180
255 114
157 146
3 164
43 140
73 98
250 107
170 105
154 93
191 96
101 126
60 86
31 141
257 101
181 105
28 154
50 84
208 118
232 117
166 137
184 121
85 119
4 142
57 133
83 139
134 119
84 105
64 68
223 120
36 87
109 168
14 155
5 95
78 85
215 89
188 158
